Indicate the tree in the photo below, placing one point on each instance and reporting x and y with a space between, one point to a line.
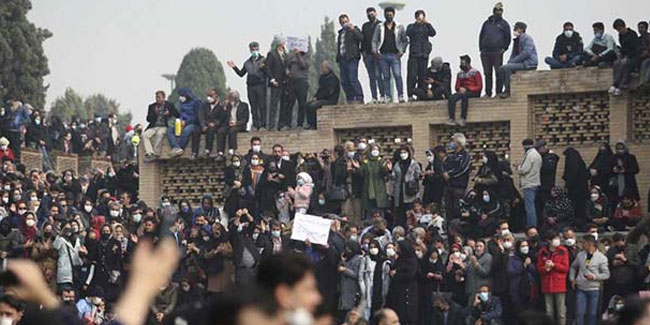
200 70
68 106
22 60
325 50
73 106
101 105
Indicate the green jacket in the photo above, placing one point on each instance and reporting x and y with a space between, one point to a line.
374 181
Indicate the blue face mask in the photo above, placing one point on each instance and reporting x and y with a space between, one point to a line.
484 296
452 145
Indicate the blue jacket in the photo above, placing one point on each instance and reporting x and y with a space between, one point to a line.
524 51
190 108
494 36
18 118
418 36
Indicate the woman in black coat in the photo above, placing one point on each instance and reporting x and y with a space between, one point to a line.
431 280
235 193
434 184
624 168
403 293
599 168
489 174
105 254
576 179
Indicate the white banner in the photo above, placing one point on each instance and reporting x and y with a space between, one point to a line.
300 43
313 228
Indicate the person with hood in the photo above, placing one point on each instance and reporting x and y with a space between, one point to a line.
388 45
433 183
494 40
374 173
159 114
348 53
456 170
69 248
436 82
17 115
420 47
367 270
106 271
553 267
237 120
235 192
327 94
522 278
469 84
488 213
302 193
624 168
431 281
349 281
478 271
255 67
189 116
403 293
576 178
568 49
523 56
559 210
216 260
406 183
600 170
11 240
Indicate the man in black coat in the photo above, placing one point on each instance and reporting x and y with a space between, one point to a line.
236 120
547 174
437 82
158 115
256 69
371 62
328 92
211 116
632 49
494 40
418 33
348 54
567 52
445 311
277 70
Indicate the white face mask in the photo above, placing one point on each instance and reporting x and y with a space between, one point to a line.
350 154
595 234
137 217
286 158
37 121
594 197
570 242
390 252
88 208
5 200
30 223
404 156
516 33
256 235
507 245
275 233
374 251
321 201
430 159
555 242
484 160
210 100
456 254
568 33
257 148
524 250
115 213
363 146
375 153
182 99
486 198
6 321
419 254
4 148
236 164
255 162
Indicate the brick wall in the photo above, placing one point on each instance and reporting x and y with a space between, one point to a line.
64 162
31 159
498 124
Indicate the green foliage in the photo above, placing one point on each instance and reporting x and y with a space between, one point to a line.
73 106
22 60
200 71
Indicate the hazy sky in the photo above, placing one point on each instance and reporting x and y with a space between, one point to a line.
121 47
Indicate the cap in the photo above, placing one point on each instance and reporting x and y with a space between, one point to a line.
540 143
4 141
528 142
498 6
128 128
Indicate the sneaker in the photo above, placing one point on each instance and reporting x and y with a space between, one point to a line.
149 158
231 152
462 122
194 156
177 152
617 92
611 90
451 122
402 100
414 98
206 152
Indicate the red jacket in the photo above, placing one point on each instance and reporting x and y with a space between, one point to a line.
8 153
470 80
553 281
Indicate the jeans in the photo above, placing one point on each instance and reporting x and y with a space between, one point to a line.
556 304
314 106
257 99
569 63
372 66
349 69
587 305
606 59
529 202
622 71
492 61
464 103
416 69
299 89
508 69
190 131
391 63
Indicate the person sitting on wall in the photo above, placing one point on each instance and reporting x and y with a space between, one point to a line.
189 114
329 88
523 56
601 51
437 82
629 57
469 84
237 118
567 52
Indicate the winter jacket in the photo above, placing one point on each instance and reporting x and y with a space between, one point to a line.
298 66
418 36
401 41
489 313
349 284
374 183
631 45
597 266
606 44
480 274
351 49
571 46
276 67
494 36
329 87
302 195
368 31
529 170
411 174
553 281
470 80
256 69
68 258
18 118
152 113
214 114
524 51
458 165
548 170
242 114
189 110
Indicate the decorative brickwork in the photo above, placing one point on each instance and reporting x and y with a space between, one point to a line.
64 162
389 139
191 180
641 119
31 159
571 119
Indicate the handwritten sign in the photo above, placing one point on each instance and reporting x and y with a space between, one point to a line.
313 228
300 43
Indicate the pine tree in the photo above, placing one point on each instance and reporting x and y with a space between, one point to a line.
22 60
325 50
200 70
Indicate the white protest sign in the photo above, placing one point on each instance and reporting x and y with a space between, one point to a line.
300 43
314 228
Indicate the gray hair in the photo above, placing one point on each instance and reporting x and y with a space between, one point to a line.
279 39
235 93
460 138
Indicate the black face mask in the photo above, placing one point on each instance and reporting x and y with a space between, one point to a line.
5 229
104 237
389 18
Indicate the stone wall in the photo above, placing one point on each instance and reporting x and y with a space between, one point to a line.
567 107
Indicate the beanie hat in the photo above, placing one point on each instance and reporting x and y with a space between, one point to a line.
4 141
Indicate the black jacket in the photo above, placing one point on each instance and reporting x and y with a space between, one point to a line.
418 35
329 87
152 115
276 67
631 45
352 44
241 240
441 77
569 46
209 114
368 30
454 315
256 70
242 114
548 170
495 35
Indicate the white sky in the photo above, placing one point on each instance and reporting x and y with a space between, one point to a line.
121 47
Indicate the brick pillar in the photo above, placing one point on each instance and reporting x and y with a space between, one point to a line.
620 117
